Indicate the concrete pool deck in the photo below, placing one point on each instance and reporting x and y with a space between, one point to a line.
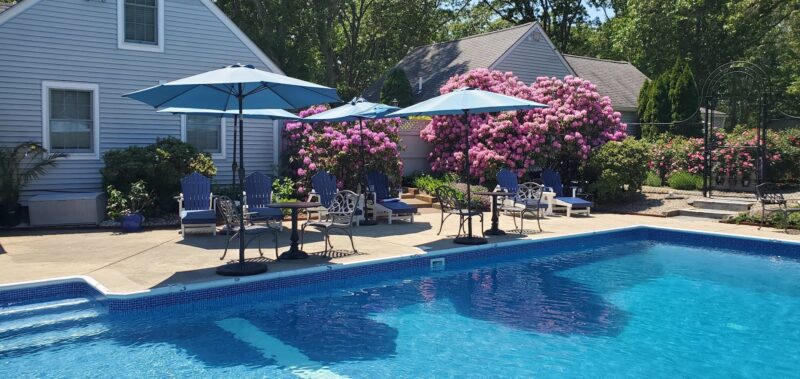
135 262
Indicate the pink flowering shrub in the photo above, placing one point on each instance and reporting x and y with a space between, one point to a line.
576 121
335 147
734 156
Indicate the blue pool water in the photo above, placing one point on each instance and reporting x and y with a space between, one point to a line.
631 309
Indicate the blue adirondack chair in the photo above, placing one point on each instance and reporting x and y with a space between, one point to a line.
552 180
324 185
383 203
258 193
196 205
527 198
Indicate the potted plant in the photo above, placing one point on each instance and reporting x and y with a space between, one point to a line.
128 208
19 166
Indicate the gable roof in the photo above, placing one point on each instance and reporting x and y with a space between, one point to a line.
9 10
620 81
436 63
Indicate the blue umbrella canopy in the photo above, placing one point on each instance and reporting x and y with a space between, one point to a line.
354 110
466 100
269 114
223 89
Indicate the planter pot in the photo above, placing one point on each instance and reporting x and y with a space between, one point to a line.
132 223
10 217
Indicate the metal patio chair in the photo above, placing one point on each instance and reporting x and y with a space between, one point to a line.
230 214
451 205
768 194
339 214
528 199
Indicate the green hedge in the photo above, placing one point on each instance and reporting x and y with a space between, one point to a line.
617 169
160 165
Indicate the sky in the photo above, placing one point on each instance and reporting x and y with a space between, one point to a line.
598 12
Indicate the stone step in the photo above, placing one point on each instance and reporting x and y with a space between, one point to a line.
722 205
426 198
407 196
715 214
416 203
410 190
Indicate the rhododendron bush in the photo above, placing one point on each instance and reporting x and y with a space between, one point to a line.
576 121
334 147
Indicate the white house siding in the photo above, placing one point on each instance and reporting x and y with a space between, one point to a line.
76 41
531 57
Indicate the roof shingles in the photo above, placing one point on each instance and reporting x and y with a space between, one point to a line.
436 63
620 81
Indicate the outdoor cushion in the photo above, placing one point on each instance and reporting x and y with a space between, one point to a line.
208 216
576 202
399 207
383 201
266 213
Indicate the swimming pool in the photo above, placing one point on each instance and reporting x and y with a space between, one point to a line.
630 303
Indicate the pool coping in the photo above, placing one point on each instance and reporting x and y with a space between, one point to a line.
177 288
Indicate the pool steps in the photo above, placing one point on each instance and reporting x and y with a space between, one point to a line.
33 326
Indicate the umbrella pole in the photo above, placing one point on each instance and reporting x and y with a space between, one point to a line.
241 176
234 166
367 219
469 239
241 268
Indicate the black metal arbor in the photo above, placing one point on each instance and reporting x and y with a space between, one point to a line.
741 89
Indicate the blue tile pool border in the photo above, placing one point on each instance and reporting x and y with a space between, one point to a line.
200 292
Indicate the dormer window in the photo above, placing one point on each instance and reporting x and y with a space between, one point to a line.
140 25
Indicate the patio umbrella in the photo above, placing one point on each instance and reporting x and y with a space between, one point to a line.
357 109
237 87
268 114
467 101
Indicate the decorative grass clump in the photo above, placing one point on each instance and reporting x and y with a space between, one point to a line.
683 180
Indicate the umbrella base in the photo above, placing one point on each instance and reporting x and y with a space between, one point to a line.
242 269
470 240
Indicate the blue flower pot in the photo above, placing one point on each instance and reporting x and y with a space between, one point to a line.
132 223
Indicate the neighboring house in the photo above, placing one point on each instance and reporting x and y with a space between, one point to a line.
524 50
65 65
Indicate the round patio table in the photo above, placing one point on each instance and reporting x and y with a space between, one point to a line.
494 230
294 251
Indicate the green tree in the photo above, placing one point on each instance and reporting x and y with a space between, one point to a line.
397 87
683 98
659 109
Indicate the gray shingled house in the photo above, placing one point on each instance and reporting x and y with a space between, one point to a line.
527 52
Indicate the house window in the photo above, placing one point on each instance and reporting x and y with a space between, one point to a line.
70 114
141 24
206 133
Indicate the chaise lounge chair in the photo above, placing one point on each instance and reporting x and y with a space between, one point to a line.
383 204
527 198
572 204
257 196
324 188
196 204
